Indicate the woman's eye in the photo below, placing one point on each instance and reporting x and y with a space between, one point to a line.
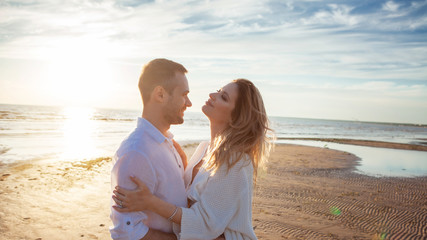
223 97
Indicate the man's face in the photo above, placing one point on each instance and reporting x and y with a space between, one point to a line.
178 102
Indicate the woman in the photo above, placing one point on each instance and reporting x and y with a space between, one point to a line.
220 172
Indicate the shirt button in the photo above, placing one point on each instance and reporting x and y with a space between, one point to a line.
128 222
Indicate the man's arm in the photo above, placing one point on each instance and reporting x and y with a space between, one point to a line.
154 234
130 225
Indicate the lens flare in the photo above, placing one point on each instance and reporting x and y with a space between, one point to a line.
383 236
335 211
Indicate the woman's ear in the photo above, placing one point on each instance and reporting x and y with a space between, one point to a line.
158 94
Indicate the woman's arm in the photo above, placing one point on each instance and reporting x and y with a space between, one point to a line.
154 204
142 199
224 196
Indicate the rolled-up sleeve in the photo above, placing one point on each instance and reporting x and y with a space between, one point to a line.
130 226
218 204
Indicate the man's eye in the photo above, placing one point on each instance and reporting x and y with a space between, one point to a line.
219 90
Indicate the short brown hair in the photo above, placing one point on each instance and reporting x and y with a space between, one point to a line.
158 72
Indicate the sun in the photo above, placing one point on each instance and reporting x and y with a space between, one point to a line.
78 75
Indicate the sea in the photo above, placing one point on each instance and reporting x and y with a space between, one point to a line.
47 133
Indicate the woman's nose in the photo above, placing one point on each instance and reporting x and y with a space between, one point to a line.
212 95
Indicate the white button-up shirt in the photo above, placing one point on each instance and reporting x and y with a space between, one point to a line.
150 156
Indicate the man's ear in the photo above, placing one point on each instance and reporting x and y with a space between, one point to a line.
158 94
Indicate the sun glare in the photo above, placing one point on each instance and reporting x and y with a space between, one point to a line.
79 75
79 131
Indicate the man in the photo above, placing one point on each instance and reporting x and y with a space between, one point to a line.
149 153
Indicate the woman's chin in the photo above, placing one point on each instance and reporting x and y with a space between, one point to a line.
204 110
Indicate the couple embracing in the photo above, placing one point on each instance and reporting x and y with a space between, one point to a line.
158 194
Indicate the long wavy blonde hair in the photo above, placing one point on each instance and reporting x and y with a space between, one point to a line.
248 132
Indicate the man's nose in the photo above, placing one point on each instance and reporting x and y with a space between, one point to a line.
188 102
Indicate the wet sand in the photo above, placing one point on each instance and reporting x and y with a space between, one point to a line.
313 193
421 145
306 193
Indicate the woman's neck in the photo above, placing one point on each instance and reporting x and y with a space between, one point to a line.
216 129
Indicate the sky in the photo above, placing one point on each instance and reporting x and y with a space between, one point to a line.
360 60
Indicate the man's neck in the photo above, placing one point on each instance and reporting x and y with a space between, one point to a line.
157 122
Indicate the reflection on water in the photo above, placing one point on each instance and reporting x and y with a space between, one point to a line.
379 161
30 133
78 133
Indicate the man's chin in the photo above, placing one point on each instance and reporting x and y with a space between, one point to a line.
178 121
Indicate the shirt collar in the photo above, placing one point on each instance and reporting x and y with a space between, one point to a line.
153 131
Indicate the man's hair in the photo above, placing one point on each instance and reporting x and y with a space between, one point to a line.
158 72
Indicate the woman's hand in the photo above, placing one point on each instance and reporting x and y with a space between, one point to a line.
142 199
136 200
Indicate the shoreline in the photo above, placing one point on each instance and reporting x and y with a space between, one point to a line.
305 193
367 143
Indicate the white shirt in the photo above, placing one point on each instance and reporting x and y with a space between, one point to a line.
195 159
223 202
150 156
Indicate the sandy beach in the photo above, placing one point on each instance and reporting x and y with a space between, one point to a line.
305 193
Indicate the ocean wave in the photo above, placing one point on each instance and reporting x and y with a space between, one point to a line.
102 118
26 134
5 115
9 116
4 149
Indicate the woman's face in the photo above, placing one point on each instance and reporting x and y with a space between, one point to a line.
220 104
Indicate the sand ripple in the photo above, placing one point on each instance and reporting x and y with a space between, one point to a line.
293 201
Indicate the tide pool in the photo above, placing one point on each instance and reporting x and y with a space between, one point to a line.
378 161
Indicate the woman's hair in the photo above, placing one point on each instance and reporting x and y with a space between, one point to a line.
248 133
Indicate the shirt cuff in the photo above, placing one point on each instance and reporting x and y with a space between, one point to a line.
139 231
128 229
176 230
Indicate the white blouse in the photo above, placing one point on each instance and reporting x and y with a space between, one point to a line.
222 202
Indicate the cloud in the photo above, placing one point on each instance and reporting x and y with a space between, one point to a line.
316 35
392 89
330 45
335 15
390 6
132 3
